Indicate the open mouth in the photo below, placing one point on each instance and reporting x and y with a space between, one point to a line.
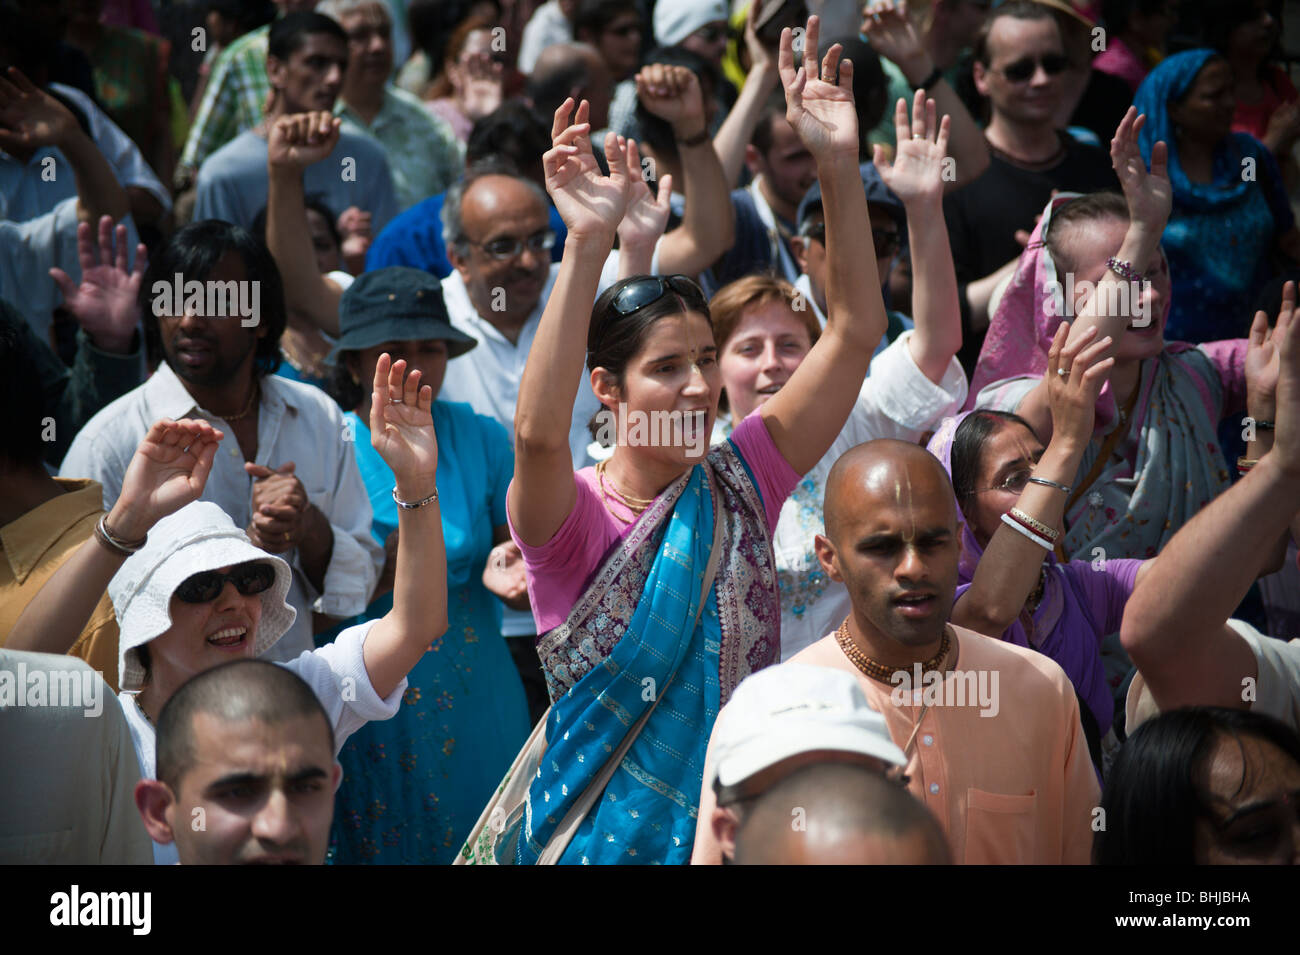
769 390
916 605
231 638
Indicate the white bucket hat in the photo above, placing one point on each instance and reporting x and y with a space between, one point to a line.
198 537
675 20
789 709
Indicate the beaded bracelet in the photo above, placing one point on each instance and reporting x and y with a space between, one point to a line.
1035 525
1021 529
1046 483
412 505
1124 269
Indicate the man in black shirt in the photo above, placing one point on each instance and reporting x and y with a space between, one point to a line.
1019 59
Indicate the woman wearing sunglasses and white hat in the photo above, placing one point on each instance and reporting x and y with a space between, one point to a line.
191 591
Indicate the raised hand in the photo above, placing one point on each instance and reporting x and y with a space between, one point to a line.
819 109
1149 195
1073 395
401 428
673 94
105 303
892 34
916 174
647 215
30 117
1264 356
591 204
168 470
762 58
482 87
299 140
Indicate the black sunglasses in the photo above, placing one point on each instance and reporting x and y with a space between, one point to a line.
1022 70
249 579
885 241
648 289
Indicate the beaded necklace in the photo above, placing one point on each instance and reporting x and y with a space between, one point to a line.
878 671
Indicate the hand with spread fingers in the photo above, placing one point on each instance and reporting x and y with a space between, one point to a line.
401 428
916 174
30 117
1264 356
484 85
590 203
819 96
105 303
169 469
646 216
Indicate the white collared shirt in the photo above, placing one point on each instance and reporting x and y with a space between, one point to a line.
295 422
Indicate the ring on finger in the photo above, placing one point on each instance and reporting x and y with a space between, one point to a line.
1063 372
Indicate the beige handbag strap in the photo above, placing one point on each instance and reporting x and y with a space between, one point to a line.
568 826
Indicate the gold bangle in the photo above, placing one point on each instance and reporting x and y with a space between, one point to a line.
1245 464
1050 533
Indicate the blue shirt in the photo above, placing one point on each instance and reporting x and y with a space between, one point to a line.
414 239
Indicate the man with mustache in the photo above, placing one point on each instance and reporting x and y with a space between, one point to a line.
306 61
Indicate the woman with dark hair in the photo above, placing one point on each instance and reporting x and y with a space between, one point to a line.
1203 786
471 83
1231 214
652 577
1268 106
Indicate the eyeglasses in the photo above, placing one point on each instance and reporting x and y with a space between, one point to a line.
507 247
648 289
885 241
249 579
1015 482
1023 70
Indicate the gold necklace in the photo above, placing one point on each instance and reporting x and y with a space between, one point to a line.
247 408
636 505
878 671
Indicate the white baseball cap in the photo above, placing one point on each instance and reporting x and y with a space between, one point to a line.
792 708
675 20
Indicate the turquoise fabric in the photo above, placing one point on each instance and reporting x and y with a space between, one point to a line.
648 810
413 786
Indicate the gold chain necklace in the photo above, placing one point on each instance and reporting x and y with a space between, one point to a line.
247 408
634 504
878 671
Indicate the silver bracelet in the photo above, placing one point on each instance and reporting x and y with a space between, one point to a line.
1046 483
410 506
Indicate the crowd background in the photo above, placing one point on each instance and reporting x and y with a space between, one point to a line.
449 238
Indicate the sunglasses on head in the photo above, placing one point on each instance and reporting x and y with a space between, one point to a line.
1022 70
885 241
649 289
249 579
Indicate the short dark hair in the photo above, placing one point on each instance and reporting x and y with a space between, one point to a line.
762 137
289 33
234 692
1021 10
515 132
1155 792
593 16
968 447
26 402
194 251
658 133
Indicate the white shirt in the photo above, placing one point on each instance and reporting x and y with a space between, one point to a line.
295 422
28 250
546 27
337 675
897 401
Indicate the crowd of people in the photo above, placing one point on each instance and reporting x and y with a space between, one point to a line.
649 432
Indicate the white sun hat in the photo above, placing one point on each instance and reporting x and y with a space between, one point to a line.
198 537
675 20
792 708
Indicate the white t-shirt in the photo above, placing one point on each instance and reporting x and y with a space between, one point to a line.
337 675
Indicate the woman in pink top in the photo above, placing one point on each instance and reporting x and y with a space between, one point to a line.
652 578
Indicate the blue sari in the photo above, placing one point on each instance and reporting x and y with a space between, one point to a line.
634 636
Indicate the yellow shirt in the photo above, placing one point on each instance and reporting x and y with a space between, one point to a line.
35 546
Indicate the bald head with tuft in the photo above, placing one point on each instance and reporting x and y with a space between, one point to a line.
881 467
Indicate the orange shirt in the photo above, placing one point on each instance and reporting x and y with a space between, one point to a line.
1008 774
35 546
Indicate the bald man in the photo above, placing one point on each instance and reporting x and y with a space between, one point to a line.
571 69
839 814
991 731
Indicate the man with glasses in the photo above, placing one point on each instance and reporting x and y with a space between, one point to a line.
1019 62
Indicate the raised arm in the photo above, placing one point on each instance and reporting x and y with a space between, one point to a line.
810 410
591 205
401 430
892 34
1150 198
708 221
761 80
1175 622
31 118
1011 565
169 469
916 177
294 143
